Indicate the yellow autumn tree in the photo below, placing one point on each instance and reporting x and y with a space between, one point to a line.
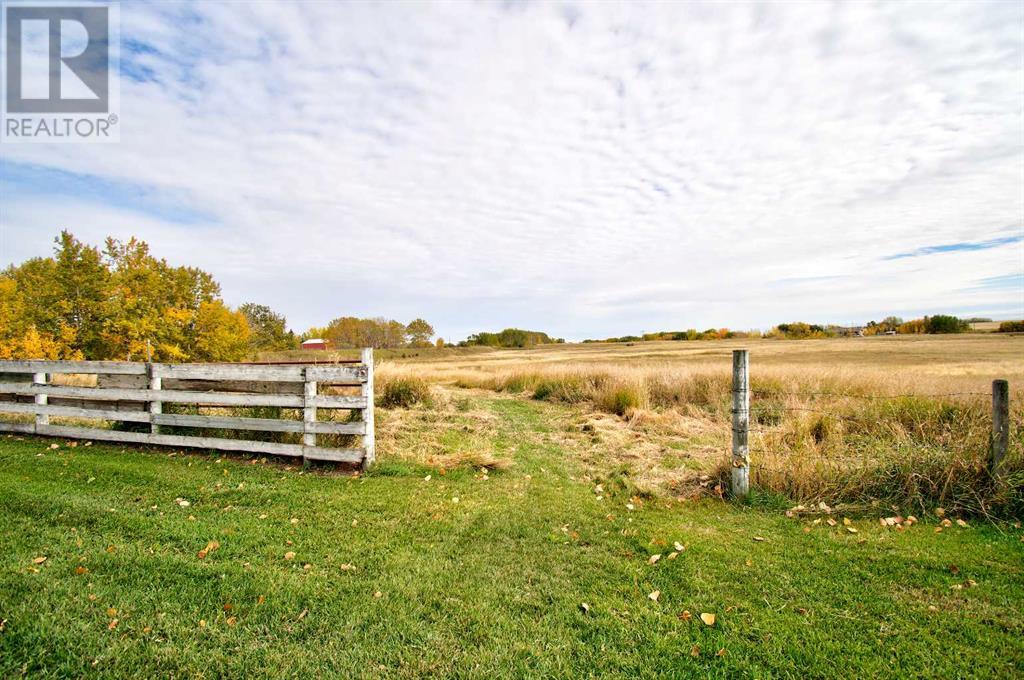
220 334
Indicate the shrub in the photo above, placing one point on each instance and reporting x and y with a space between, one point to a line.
1011 327
403 393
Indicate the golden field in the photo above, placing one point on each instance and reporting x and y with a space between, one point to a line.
857 419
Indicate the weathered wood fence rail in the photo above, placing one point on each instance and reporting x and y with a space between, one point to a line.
137 393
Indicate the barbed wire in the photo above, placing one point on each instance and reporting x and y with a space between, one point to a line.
872 397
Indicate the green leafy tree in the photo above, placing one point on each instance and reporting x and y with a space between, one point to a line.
420 332
269 331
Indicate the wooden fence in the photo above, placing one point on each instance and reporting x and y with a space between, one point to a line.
137 392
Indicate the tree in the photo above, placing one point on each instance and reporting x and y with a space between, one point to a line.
944 323
268 328
221 334
420 332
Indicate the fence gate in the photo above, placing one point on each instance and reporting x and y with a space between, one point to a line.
197 405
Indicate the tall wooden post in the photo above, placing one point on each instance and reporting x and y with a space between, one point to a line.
369 442
156 407
309 412
41 399
740 422
1000 441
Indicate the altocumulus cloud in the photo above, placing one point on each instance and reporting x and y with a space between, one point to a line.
587 168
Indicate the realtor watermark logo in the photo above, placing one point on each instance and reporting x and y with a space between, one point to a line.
60 72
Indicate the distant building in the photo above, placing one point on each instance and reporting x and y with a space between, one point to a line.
314 343
849 331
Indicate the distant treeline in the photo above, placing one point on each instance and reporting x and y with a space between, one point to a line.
799 330
380 333
510 337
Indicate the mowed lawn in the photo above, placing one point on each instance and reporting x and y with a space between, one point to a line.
393 575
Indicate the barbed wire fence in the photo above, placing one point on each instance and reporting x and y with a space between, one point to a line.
774 410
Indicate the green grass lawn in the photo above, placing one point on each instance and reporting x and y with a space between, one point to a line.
488 585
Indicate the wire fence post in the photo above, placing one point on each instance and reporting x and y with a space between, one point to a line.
1000 441
740 422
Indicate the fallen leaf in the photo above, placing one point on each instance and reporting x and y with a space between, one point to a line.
302 614
708 619
39 560
953 569
290 555
721 652
831 522
846 522
686 615
947 523
653 559
455 499
939 512
695 651
961 523
81 570
348 567
378 594
202 623
228 606
759 539
673 555
307 567
146 630
231 620
801 611
210 547
851 530
427 478
112 625
111 612
653 596
679 546
294 520
263 516
585 607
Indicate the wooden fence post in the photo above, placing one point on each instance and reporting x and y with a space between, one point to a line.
369 441
740 422
41 399
309 412
155 407
1000 441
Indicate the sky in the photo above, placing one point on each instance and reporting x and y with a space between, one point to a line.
585 169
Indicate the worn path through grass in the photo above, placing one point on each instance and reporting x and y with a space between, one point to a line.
394 575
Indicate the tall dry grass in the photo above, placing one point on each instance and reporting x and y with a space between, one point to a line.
842 434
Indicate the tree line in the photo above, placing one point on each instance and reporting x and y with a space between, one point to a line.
121 302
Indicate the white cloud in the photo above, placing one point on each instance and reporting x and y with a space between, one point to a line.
589 170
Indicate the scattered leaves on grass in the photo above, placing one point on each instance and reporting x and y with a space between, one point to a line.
721 652
940 512
851 530
210 547
232 620
112 625
378 595
294 520
654 595
831 522
685 615
846 522
653 559
953 569
695 651
759 539
111 612
961 523
679 546
81 570
673 555
708 619
290 555
585 607
39 560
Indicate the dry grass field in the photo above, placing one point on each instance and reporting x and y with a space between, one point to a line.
902 418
